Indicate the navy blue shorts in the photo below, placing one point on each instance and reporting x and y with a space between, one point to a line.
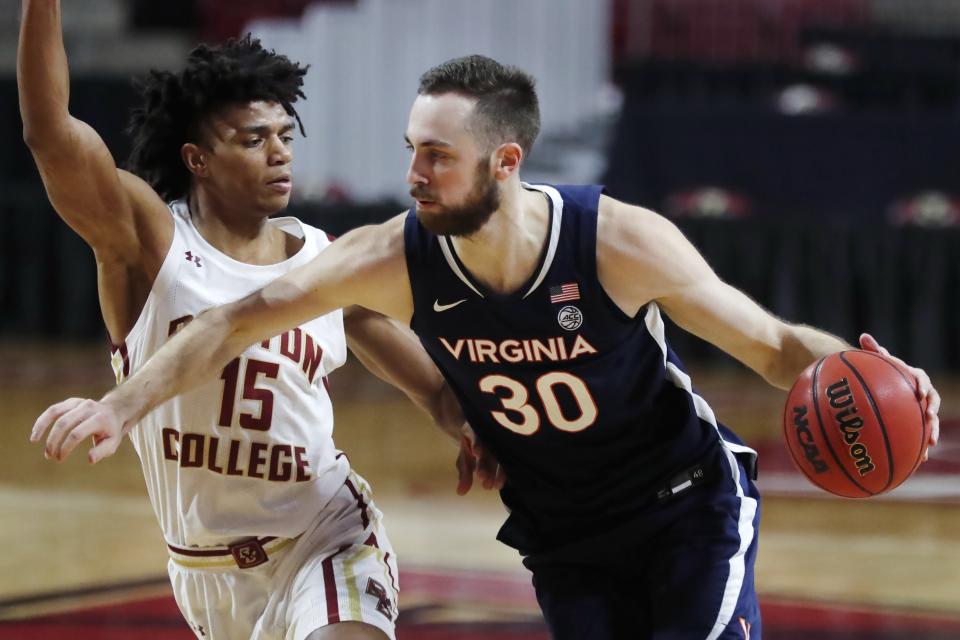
684 571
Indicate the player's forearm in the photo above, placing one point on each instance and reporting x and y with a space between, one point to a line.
194 355
799 346
42 72
447 413
393 354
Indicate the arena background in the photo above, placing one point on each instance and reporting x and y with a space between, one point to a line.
809 148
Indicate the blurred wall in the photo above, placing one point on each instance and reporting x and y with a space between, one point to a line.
801 198
366 60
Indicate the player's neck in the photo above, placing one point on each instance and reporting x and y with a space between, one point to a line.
504 253
238 234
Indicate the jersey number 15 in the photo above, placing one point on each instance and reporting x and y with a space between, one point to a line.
231 376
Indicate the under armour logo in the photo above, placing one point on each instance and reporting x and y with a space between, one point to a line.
200 630
384 605
192 258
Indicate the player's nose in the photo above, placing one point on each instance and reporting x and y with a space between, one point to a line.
280 153
414 175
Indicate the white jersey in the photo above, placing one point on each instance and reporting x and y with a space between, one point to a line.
249 453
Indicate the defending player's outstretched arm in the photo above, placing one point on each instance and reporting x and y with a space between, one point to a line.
642 257
365 267
393 353
110 209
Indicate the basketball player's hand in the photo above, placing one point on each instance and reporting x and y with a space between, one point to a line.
926 394
71 422
475 459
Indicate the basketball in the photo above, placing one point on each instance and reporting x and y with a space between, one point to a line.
853 424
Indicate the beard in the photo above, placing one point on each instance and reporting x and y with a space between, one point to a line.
468 217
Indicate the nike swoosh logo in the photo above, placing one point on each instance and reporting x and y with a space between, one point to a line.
444 307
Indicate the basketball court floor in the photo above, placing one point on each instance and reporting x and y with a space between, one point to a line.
83 558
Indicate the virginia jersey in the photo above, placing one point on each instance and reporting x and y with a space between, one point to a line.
587 410
249 453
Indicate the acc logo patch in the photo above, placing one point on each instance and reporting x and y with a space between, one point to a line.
570 318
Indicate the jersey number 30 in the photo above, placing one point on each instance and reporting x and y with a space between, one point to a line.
546 386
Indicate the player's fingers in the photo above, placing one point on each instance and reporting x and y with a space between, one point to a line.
932 408
65 424
465 470
487 469
51 415
90 427
468 439
934 424
103 447
501 478
869 343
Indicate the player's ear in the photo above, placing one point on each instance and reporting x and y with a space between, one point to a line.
507 159
193 158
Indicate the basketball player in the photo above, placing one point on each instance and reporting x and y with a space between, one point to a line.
270 533
541 305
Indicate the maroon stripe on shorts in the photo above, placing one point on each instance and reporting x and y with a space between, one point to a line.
393 580
330 587
372 542
360 502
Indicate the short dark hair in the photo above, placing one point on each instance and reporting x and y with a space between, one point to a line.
507 106
175 105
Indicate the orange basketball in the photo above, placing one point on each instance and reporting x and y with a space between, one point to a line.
854 425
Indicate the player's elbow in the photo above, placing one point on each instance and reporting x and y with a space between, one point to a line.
34 137
42 135
789 357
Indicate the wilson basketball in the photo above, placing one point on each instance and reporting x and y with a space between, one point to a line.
853 424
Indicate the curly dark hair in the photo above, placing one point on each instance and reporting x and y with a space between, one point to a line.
507 107
175 105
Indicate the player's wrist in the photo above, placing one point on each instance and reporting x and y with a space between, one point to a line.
124 407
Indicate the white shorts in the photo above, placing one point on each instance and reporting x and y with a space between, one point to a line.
342 568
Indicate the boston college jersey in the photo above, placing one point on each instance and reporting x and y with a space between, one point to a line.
249 453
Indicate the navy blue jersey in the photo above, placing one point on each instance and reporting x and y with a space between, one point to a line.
587 409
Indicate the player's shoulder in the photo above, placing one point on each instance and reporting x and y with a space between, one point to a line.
583 196
618 221
388 231
379 241
142 197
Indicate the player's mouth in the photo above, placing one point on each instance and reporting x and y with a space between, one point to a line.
283 184
419 196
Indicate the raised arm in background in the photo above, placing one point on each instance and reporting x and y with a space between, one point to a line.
116 213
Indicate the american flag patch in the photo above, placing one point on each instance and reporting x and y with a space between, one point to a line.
565 292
